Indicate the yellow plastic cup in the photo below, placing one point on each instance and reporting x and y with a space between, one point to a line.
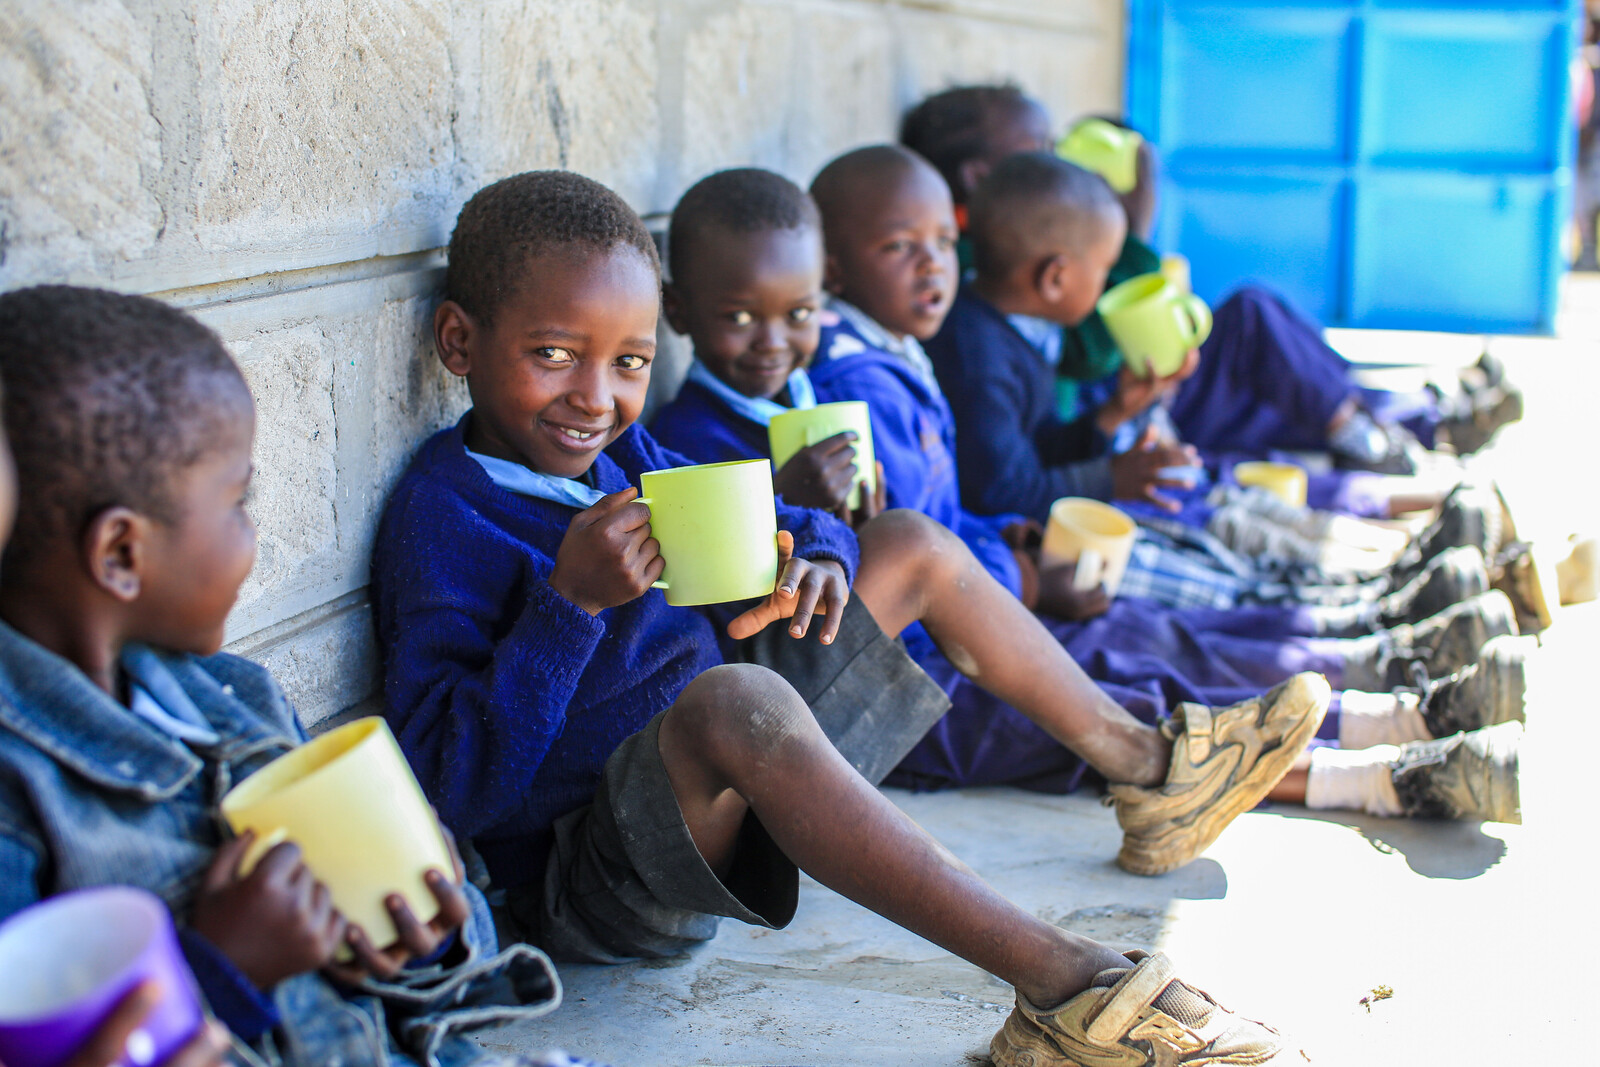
718 529
1096 536
1105 148
1175 269
1285 481
1154 323
349 800
791 431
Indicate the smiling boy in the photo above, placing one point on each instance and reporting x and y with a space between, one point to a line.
625 786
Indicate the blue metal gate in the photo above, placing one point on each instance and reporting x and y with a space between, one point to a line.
1387 163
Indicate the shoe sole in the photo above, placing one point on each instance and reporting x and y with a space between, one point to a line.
1307 697
1505 659
1501 799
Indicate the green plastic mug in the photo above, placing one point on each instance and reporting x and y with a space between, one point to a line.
1106 149
1154 323
718 529
791 431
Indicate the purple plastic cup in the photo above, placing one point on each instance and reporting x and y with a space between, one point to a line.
65 964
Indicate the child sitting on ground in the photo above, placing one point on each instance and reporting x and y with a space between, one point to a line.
747 272
121 726
623 783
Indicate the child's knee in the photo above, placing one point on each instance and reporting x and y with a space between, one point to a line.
911 538
739 710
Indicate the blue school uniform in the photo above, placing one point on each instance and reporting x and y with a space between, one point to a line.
1013 453
93 793
507 698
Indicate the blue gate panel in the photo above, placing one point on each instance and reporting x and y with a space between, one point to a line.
1451 252
1286 231
1384 163
1467 90
1286 69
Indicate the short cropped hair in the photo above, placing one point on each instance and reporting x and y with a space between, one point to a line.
1033 204
838 186
742 200
947 129
108 397
507 223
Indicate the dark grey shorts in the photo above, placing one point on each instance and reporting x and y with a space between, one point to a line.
624 878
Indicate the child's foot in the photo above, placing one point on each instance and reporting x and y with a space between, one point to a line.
1528 585
1454 575
1472 514
1442 644
1463 776
1487 692
1224 762
1138 1015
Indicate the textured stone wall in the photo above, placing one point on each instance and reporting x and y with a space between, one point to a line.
290 170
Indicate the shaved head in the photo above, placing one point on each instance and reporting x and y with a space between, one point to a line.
858 184
1034 206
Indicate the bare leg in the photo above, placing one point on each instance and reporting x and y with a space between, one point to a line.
913 569
1292 790
740 738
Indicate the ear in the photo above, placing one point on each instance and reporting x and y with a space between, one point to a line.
1052 279
115 550
831 280
672 307
971 173
452 336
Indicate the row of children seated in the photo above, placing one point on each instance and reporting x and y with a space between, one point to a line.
629 772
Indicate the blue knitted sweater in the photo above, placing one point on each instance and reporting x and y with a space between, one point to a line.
506 697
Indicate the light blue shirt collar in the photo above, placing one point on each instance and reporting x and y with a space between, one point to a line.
156 697
1042 334
520 480
757 409
907 348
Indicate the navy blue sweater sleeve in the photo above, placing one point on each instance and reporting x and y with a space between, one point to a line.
482 657
696 425
999 403
232 997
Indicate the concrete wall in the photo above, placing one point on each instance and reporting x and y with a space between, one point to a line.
290 170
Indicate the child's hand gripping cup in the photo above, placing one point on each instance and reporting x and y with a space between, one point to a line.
717 524
352 804
1095 537
1154 323
791 431
67 962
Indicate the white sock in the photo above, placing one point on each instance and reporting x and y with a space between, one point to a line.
1367 719
1361 780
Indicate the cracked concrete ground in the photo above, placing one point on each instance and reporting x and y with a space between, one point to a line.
1484 933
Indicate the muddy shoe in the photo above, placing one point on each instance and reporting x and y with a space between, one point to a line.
1133 1016
1224 762
1529 585
1463 776
1472 514
1442 644
1491 691
1452 576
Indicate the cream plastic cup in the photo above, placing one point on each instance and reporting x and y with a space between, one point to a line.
791 431
1095 536
718 529
1106 149
349 800
1285 481
1154 323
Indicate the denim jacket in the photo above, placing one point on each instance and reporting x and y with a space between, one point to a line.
91 794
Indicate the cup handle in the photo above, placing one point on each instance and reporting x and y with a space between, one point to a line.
1194 319
646 501
1091 567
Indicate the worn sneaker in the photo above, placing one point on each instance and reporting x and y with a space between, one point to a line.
1529 584
1491 691
1137 1015
1454 575
1472 514
1224 762
1442 644
1463 776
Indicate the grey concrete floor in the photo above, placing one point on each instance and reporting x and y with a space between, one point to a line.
1486 934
